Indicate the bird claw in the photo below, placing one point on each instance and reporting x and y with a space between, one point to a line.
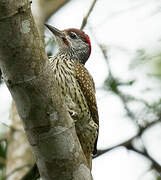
72 113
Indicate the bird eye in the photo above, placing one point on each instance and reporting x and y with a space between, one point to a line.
73 35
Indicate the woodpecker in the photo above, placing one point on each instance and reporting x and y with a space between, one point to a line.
77 85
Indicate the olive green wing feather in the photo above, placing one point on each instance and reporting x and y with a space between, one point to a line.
87 86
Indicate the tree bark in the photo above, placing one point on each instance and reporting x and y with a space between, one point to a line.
30 79
21 161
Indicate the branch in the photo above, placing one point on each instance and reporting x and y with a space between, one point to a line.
154 165
128 144
31 81
0 77
84 22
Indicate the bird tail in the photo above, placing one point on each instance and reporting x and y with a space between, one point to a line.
89 160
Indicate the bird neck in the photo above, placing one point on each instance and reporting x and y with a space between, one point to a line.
74 55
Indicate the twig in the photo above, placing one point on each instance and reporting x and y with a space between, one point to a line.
104 52
128 144
116 81
84 22
0 76
155 165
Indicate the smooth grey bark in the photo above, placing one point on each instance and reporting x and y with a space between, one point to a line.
30 79
19 156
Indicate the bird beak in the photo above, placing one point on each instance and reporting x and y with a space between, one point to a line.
55 31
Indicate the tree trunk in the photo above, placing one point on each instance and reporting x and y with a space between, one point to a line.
29 77
19 163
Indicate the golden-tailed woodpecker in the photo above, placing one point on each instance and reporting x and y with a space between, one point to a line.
76 85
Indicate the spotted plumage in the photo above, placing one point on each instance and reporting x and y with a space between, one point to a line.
87 85
76 85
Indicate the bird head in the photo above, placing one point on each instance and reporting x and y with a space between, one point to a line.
73 42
